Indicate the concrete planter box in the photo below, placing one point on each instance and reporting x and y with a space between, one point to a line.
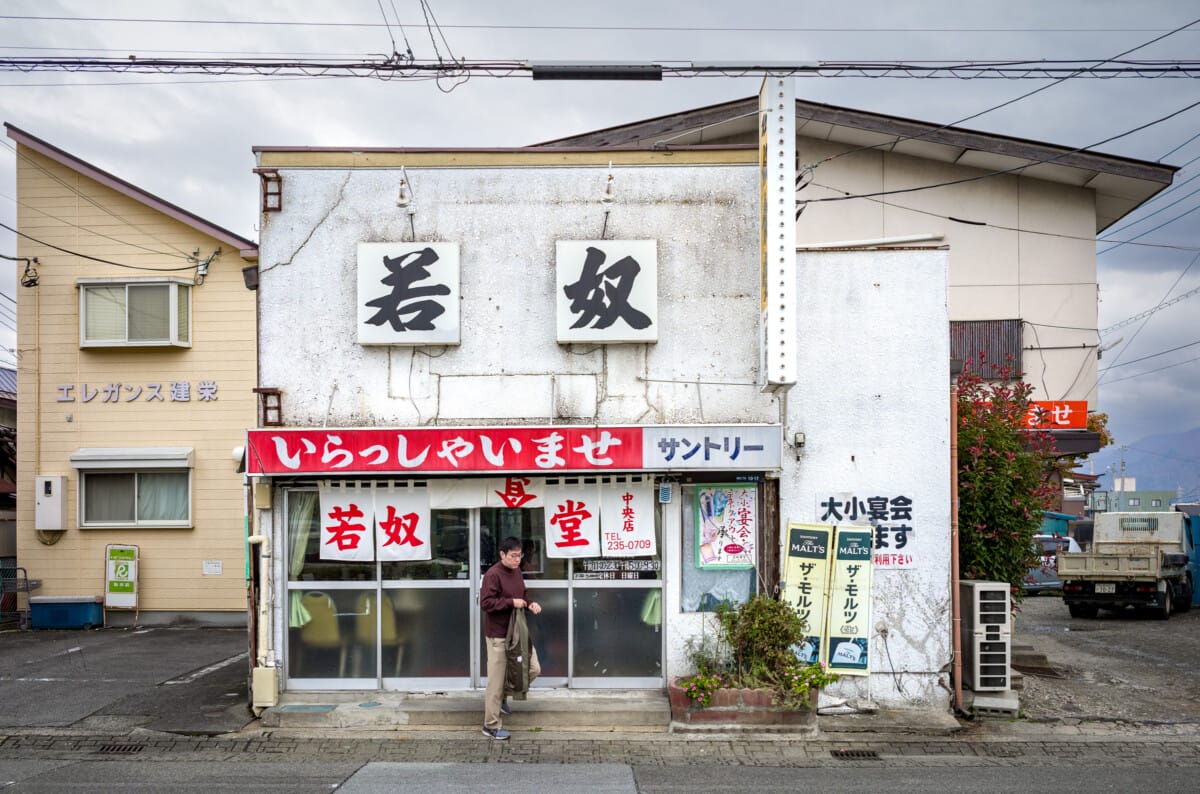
739 710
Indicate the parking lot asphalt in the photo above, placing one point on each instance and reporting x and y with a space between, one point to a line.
179 695
187 680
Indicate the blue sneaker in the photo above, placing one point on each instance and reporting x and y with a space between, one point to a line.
499 734
505 708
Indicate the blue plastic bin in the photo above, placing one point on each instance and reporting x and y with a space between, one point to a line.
66 612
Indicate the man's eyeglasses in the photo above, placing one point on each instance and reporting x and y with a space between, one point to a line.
514 555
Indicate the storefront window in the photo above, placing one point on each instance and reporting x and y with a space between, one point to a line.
618 632
529 527
332 633
450 555
304 545
704 590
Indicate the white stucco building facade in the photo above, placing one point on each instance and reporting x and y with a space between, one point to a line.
872 403
489 338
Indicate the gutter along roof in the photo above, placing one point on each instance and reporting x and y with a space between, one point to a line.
247 249
1121 183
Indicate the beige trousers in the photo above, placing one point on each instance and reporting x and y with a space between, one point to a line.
497 664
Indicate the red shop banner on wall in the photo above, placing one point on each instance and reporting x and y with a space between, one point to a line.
1057 415
443 449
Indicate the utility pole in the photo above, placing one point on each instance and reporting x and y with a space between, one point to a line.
1122 491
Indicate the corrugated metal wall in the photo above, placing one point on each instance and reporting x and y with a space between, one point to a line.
986 344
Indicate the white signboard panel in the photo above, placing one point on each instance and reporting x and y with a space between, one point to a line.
572 521
408 293
607 290
627 520
347 522
402 524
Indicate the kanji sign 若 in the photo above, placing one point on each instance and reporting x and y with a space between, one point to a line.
408 293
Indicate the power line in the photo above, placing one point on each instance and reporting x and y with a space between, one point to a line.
1152 229
1012 101
1122 227
94 258
98 205
620 28
1012 170
389 68
988 224
1149 312
1152 355
1150 371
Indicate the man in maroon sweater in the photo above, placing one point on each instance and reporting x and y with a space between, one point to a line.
503 590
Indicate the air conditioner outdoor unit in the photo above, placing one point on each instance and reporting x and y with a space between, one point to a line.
986 635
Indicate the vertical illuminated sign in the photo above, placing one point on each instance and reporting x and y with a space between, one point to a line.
777 232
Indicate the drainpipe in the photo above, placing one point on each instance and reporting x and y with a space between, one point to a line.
264 588
956 605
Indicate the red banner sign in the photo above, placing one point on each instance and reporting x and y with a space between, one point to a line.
1057 415
443 449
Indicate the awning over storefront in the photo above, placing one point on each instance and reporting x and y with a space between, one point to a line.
486 450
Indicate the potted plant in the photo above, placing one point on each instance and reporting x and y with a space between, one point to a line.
748 674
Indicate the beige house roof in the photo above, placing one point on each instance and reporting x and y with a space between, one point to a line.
247 249
1121 183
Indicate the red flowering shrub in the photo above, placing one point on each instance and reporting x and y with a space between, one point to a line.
1002 478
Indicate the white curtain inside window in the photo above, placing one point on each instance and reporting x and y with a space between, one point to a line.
302 514
149 312
104 313
162 496
182 320
107 497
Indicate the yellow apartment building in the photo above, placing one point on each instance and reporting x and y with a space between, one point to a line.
137 360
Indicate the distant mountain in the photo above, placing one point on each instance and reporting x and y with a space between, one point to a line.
1162 462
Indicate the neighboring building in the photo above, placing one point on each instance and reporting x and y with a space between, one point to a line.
1134 501
8 487
137 363
1022 243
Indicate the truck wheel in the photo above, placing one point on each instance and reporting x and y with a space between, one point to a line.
1083 610
1164 611
1186 593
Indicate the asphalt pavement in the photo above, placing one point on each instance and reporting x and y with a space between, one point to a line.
164 709
189 680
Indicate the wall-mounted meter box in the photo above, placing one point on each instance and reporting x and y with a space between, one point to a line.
50 503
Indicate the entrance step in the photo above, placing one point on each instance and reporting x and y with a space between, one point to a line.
556 709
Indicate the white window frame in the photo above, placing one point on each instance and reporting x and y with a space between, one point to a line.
1134 501
173 339
135 461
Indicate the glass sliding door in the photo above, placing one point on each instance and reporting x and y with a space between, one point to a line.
417 625
431 610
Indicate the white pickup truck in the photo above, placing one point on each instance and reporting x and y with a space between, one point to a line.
1143 560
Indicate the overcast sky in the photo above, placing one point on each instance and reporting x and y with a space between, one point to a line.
188 139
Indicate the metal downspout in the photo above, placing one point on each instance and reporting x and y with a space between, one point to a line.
956 605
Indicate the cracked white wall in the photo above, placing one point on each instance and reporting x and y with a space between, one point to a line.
509 368
873 397
873 401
